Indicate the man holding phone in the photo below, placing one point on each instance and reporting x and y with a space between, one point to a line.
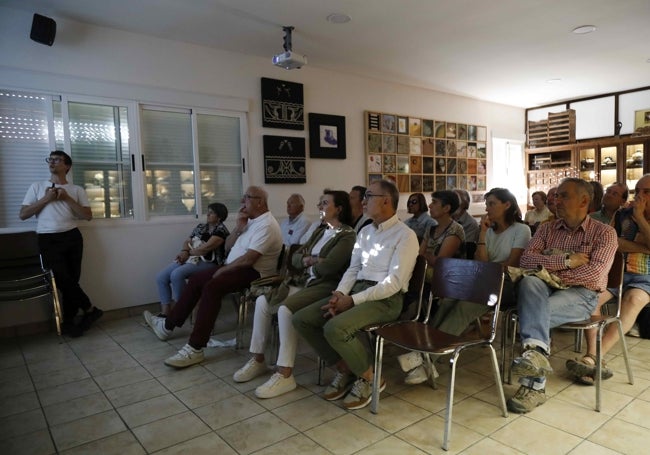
58 205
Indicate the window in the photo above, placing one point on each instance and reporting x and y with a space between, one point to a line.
24 144
171 156
182 150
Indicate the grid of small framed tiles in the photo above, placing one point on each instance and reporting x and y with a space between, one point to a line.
425 155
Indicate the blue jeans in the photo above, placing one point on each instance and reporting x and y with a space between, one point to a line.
541 308
176 274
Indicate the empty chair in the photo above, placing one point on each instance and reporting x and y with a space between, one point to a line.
22 275
462 279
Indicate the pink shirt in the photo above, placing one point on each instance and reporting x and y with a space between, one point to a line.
553 240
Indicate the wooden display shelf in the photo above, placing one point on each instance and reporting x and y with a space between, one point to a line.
558 129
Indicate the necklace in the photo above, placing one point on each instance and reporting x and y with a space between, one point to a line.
436 237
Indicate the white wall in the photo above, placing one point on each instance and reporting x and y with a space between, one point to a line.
122 257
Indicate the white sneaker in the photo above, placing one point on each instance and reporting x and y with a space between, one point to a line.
186 357
416 376
410 361
250 370
157 324
276 386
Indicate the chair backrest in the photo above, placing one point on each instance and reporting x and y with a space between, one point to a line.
615 278
19 248
416 283
463 279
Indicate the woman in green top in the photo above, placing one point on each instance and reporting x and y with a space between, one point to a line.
321 263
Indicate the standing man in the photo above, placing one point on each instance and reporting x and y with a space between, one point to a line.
470 225
57 206
580 251
359 217
633 229
253 248
613 199
371 291
295 226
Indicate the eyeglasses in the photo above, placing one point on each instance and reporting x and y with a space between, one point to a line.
412 202
367 196
248 196
55 160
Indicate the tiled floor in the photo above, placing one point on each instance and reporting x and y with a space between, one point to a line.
109 392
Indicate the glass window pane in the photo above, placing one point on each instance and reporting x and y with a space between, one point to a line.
220 160
167 148
24 145
100 165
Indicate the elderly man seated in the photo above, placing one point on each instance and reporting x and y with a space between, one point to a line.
580 251
253 249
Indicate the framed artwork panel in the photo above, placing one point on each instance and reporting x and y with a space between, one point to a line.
282 104
284 159
327 136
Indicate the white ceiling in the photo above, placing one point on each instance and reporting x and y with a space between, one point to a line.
502 51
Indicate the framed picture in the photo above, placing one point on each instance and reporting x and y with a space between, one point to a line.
284 159
641 118
402 125
282 104
327 136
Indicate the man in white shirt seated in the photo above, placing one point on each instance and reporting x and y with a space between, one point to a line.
371 291
295 226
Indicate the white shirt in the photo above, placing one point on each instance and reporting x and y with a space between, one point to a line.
57 216
386 254
261 234
293 230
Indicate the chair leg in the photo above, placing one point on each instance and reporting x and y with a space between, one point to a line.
321 371
628 367
453 361
58 313
577 341
599 363
241 321
497 381
515 321
379 353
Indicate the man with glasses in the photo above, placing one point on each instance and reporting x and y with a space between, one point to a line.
580 251
58 205
371 291
253 248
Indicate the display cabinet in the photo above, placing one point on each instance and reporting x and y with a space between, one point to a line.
606 160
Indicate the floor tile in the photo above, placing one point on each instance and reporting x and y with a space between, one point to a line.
395 414
256 433
170 431
298 444
208 444
346 434
22 423
18 403
134 393
206 393
530 436
151 410
176 380
623 437
308 412
391 445
427 435
123 443
66 392
77 408
36 443
123 377
226 412
88 429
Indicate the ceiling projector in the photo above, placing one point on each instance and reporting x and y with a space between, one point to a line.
289 60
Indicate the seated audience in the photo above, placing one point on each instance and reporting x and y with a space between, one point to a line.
321 262
540 213
253 249
633 229
316 224
359 217
503 239
370 292
296 224
204 249
421 221
614 198
470 226
580 251
550 201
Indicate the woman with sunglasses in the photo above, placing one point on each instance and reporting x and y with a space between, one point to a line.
421 221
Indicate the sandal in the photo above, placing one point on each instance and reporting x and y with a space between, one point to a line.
584 370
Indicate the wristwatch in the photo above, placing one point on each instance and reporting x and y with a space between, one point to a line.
567 260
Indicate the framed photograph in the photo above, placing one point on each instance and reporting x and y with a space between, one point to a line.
641 118
284 159
373 122
427 128
327 136
388 123
415 127
402 125
282 104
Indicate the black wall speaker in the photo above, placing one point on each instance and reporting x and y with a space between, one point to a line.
43 29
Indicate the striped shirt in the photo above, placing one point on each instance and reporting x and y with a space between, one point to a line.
637 263
553 240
